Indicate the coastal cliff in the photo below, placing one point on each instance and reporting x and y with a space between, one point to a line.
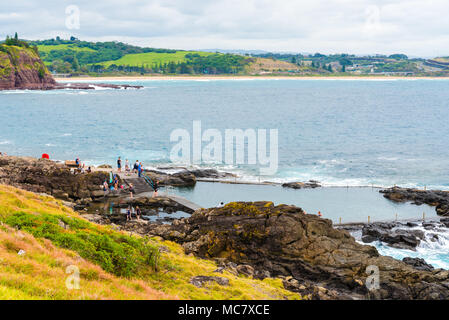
22 68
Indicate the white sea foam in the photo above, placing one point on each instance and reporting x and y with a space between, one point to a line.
434 250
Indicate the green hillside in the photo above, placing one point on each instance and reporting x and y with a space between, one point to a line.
40 238
152 58
78 57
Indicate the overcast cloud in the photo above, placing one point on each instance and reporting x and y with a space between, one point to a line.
417 28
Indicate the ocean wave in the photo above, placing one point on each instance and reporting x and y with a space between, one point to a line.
434 248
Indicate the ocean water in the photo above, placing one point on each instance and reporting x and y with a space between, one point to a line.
339 132
354 204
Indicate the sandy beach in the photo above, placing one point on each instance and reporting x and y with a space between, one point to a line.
222 77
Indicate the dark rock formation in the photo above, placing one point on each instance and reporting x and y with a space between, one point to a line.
200 281
206 173
89 86
210 174
435 198
283 241
397 238
45 176
179 179
302 185
418 263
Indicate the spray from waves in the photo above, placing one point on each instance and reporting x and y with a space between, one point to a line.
251 174
5 142
434 248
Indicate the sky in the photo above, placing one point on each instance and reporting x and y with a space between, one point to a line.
416 28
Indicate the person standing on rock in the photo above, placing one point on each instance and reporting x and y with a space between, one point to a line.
127 169
131 190
320 214
136 166
105 187
155 188
139 169
119 165
138 213
128 214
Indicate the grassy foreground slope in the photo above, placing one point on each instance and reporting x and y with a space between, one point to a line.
112 264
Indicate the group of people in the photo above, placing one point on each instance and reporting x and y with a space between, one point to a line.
137 167
81 167
3 154
113 185
130 211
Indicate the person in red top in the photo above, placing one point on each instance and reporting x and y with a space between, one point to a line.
319 214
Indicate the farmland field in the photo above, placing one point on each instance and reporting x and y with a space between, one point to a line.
152 58
48 48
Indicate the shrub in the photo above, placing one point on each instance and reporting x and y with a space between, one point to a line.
116 253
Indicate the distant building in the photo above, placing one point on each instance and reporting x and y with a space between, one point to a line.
61 75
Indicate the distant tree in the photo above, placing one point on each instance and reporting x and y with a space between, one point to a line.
293 59
75 63
16 37
398 56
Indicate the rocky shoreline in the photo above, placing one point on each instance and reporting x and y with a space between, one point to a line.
306 251
257 239
435 198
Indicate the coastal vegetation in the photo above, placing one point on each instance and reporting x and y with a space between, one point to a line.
40 238
76 57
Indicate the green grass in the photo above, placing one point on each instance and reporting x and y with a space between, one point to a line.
105 258
152 58
116 253
48 48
